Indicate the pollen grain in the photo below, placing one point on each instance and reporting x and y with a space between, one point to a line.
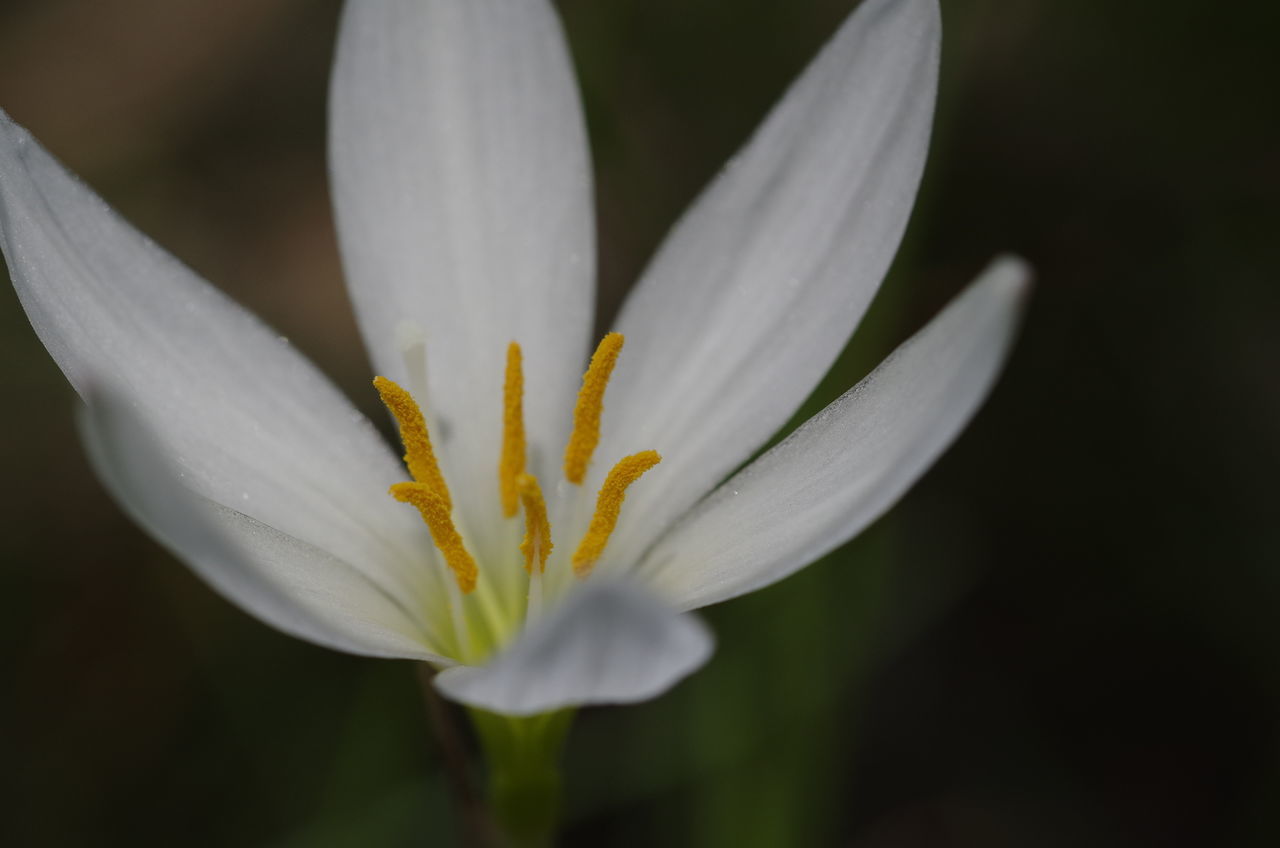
590 405
435 512
608 506
536 546
511 465
418 454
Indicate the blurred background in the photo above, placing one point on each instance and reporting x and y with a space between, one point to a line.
1066 635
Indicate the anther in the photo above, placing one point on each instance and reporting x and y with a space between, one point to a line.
435 512
608 506
418 455
511 466
590 405
537 529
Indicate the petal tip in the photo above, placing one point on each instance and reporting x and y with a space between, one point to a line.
1011 277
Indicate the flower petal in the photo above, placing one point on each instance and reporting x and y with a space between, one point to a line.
462 190
250 422
609 643
296 587
848 464
757 289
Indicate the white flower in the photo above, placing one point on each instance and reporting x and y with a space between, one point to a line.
463 198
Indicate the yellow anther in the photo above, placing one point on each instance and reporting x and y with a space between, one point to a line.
435 512
513 444
586 414
537 529
608 506
418 454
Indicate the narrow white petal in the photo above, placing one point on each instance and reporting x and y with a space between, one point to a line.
609 643
848 464
250 422
463 198
293 586
756 291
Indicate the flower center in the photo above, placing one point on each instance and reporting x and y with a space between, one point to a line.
517 487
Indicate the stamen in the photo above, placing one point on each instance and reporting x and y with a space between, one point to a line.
513 442
586 413
608 506
537 529
418 454
435 512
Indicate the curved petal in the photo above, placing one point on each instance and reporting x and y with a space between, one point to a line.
293 586
849 463
609 643
251 423
462 191
755 292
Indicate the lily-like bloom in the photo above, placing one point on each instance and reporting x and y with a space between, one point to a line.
532 547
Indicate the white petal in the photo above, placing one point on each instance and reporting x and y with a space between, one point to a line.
609 643
848 464
756 291
463 198
250 422
282 580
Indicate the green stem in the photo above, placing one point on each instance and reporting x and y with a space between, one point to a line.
525 786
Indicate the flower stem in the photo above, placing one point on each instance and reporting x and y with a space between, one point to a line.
525 785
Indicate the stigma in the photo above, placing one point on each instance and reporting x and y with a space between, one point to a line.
518 490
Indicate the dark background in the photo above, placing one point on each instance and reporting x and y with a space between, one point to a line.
1065 635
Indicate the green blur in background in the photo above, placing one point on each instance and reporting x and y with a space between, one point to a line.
1066 635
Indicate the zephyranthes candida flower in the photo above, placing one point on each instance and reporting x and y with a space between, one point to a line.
549 531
